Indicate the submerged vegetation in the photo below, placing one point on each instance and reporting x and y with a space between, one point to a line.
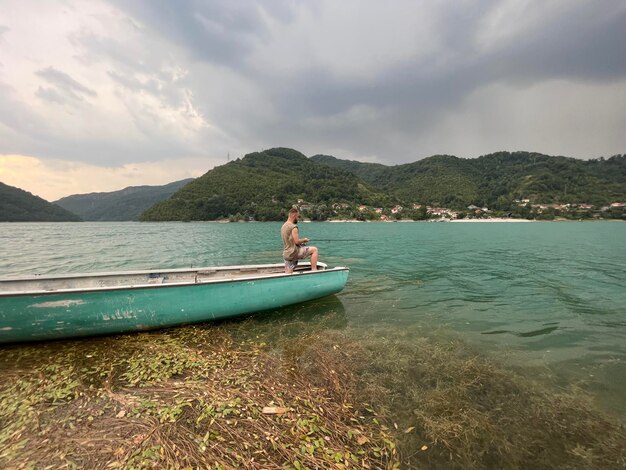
289 393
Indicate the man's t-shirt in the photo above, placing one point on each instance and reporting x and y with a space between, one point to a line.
290 250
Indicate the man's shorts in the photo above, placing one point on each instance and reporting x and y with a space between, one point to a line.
303 252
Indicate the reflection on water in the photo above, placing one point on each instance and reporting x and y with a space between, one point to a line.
547 294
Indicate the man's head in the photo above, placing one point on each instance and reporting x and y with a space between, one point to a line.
294 213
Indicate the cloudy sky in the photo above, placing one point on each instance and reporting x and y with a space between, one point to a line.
102 94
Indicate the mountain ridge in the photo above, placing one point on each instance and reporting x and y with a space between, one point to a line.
260 185
18 205
122 205
497 178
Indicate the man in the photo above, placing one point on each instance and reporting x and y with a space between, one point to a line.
294 246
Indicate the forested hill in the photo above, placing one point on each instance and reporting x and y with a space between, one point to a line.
495 180
368 172
17 205
125 204
262 185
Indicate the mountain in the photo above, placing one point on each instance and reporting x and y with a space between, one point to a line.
262 185
17 205
368 172
438 180
495 180
125 204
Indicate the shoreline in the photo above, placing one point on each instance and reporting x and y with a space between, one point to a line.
230 396
493 219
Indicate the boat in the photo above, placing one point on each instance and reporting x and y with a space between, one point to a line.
45 307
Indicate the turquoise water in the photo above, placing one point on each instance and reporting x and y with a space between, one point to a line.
538 294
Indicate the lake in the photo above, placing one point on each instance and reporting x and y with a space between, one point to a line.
541 296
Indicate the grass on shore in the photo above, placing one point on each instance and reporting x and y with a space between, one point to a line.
193 397
187 398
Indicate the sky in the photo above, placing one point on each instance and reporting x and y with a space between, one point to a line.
99 95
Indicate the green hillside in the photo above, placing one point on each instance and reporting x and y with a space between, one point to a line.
261 186
17 205
368 172
496 180
440 179
126 204
552 179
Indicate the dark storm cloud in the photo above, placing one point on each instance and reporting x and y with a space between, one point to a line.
50 94
392 82
581 45
575 41
220 31
15 116
135 63
566 47
23 131
64 84
151 85
586 43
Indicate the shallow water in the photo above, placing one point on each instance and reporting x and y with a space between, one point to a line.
548 296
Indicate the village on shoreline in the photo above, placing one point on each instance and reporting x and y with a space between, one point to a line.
522 211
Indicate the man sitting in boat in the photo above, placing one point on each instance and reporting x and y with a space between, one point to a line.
295 247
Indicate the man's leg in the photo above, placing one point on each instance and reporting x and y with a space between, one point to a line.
289 266
314 256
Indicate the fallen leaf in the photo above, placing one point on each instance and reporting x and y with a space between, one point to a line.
362 440
408 430
274 410
121 414
424 447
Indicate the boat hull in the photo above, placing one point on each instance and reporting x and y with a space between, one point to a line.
45 316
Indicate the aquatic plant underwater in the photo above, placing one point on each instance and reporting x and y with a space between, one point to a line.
290 393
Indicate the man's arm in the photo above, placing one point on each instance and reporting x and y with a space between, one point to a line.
296 239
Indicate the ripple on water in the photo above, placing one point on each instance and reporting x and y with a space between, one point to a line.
552 291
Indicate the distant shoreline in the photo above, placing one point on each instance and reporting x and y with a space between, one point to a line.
226 221
494 219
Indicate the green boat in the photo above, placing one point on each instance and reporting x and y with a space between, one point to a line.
72 305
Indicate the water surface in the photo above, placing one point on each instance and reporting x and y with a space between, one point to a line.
548 295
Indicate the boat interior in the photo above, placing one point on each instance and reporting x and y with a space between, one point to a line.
64 282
